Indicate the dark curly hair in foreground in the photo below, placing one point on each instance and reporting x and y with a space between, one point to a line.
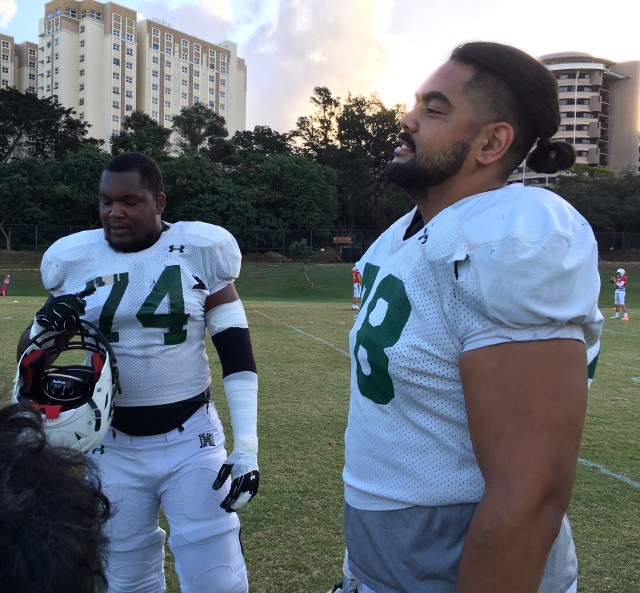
52 512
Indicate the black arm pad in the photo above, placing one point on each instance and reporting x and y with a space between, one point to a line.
234 350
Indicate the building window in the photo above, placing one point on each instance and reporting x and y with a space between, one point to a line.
196 86
116 76
154 87
115 118
168 37
185 82
167 91
5 44
185 96
185 56
154 100
32 64
167 77
212 103
185 69
222 107
168 63
95 15
116 32
212 91
168 51
115 105
32 52
223 82
168 117
32 76
223 70
58 11
222 94
48 16
167 104
196 73
82 57
154 115
82 72
129 79
128 107
81 87
82 28
185 43
70 13
116 46
155 32
5 83
116 61
223 57
155 60
128 94
155 46
155 73
196 47
116 90
212 54
129 37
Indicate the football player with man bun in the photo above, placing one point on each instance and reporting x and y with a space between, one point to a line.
468 390
620 281
158 288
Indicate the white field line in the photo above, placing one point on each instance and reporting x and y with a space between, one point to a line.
301 331
599 468
607 472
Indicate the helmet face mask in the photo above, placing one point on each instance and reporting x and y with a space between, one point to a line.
73 384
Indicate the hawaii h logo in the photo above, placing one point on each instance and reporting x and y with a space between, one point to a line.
206 440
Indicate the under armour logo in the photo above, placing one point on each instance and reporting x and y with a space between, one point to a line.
99 449
173 248
425 235
206 440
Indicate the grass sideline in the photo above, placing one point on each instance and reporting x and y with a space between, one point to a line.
292 531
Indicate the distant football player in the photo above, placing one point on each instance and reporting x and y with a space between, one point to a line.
357 288
5 285
620 281
469 391
159 288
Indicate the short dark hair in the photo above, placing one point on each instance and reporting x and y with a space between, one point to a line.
52 511
512 86
147 168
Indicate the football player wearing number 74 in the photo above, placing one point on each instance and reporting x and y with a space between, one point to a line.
158 288
468 393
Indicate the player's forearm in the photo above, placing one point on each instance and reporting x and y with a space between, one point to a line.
507 546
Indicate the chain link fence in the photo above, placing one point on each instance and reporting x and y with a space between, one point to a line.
264 245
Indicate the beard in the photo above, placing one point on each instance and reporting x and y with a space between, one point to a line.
428 169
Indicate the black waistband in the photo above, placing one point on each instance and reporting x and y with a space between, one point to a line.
148 420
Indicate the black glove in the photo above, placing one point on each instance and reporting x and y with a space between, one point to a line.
243 488
61 313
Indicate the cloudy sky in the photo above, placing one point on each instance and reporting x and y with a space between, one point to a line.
366 46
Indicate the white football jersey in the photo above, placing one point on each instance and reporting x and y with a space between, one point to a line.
149 304
514 264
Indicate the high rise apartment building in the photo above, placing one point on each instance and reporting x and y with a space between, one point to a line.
599 110
103 62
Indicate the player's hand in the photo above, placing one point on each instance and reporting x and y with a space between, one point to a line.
245 480
61 313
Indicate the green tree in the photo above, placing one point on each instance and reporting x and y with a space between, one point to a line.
199 128
262 140
141 133
318 133
74 188
38 127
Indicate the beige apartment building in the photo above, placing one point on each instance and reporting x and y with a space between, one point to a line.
599 109
103 62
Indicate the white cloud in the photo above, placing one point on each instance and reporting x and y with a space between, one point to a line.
8 9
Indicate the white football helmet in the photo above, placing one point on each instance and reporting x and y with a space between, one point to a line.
75 393
620 271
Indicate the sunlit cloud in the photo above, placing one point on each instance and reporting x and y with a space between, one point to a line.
8 9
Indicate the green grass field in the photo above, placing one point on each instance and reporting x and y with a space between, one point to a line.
292 531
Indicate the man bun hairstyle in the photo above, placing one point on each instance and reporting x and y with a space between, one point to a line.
147 168
516 88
